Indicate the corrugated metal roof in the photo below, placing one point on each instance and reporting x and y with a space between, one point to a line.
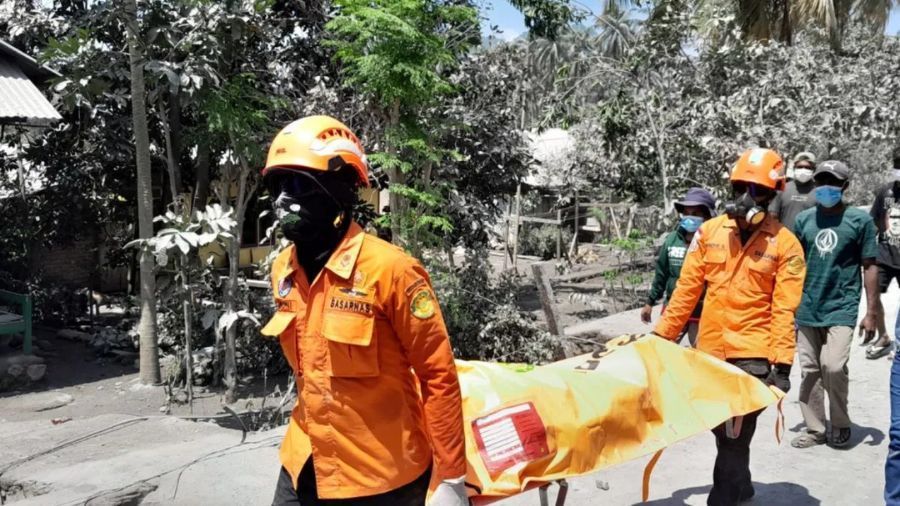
35 71
21 102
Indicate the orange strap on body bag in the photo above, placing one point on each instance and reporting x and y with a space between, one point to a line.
779 421
645 488
732 428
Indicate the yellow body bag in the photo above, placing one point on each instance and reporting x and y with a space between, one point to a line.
529 426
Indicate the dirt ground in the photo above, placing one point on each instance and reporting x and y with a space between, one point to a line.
100 385
574 307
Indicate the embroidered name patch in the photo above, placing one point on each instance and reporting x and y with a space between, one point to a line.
350 304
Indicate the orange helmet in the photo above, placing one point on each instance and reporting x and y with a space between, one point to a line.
317 143
760 166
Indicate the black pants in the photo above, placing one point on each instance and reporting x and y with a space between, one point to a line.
731 475
306 494
886 274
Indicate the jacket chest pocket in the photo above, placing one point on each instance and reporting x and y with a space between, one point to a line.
348 326
761 276
716 271
284 327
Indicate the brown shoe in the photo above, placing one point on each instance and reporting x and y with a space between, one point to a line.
808 440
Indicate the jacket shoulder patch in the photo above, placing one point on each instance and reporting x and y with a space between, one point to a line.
795 265
422 305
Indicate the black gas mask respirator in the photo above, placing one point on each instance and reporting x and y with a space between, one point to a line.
745 206
313 210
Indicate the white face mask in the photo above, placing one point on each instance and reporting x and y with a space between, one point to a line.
803 175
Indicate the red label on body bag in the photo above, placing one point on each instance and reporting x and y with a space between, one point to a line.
509 436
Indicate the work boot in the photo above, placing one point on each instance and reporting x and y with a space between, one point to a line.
747 493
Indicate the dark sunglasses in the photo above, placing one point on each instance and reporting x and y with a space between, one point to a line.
755 190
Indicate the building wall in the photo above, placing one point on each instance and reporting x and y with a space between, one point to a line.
79 265
68 265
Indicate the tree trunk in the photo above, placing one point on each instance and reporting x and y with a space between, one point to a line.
245 192
787 28
175 130
188 347
149 357
416 244
660 156
175 186
229 370
395 176
201 189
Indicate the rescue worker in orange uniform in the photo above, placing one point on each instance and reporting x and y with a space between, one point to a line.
379 413
753 270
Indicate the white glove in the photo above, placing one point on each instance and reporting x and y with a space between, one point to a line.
450 493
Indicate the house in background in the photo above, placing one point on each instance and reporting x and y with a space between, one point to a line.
21 102
24 106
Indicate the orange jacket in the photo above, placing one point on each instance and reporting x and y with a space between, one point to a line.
362 341
752 291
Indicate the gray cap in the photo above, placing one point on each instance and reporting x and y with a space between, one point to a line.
805 156
835 168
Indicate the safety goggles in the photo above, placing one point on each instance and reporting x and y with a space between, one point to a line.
298 185
756 191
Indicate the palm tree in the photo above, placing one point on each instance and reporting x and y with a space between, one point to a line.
834 15
617 31
563 72
777 20
149 357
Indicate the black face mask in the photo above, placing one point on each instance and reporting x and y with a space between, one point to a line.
314 210
745 207
311 220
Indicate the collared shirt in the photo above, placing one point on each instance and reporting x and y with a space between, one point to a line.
668 269
364 339
752 291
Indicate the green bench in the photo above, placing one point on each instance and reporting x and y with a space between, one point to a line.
15 322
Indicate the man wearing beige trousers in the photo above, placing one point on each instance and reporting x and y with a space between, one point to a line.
838 241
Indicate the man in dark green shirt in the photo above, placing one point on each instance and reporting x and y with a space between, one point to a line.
838 241
697 206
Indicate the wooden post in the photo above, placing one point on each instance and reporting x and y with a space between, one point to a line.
518 208
631 212
545 291
559 234
506 251
612 216
577 224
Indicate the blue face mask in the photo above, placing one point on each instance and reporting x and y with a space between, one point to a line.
828 196
690 224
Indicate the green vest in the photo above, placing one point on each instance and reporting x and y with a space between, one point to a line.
668 269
